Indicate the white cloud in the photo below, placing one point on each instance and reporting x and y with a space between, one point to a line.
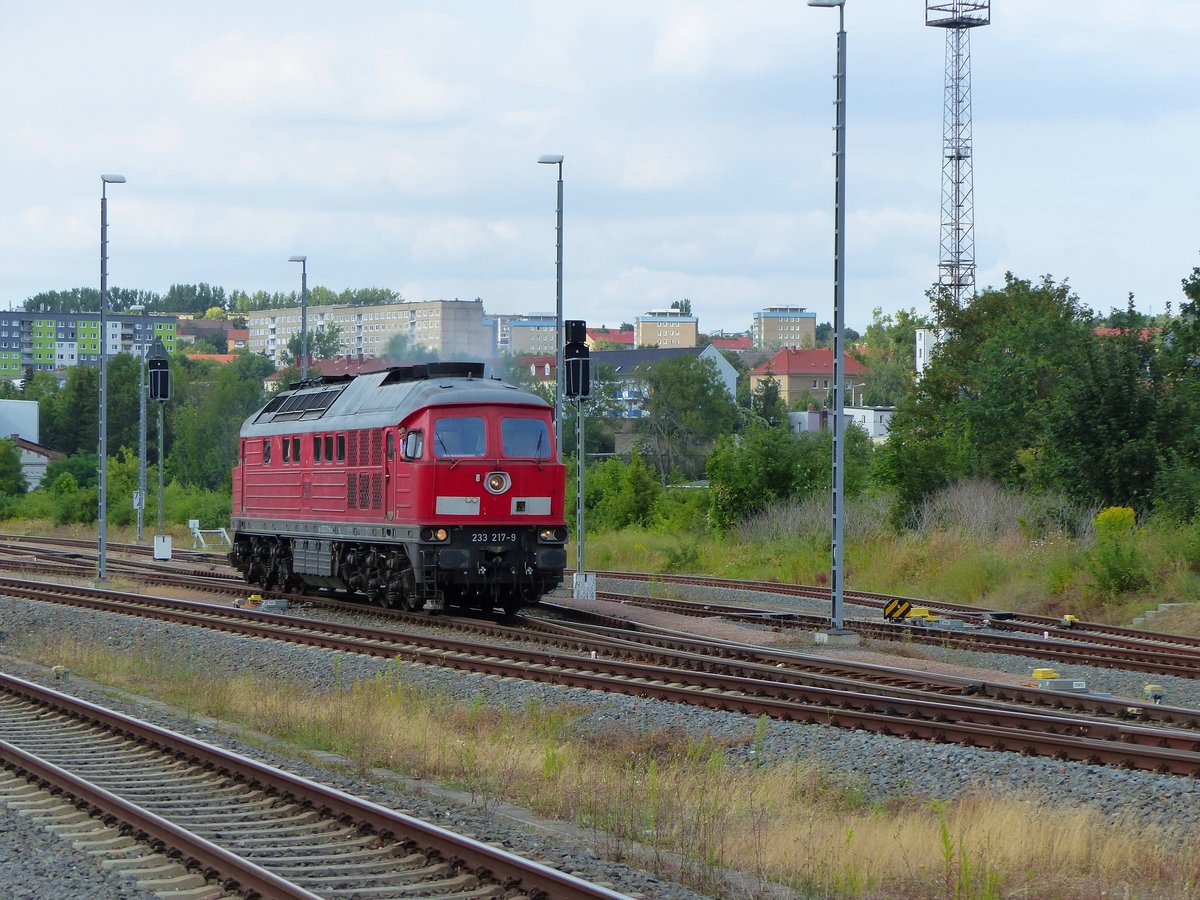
395 144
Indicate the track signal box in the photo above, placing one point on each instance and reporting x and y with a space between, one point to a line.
576 358
160 372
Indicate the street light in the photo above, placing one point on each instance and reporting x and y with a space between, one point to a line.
105 181
554 159
303 260
140 506
839 303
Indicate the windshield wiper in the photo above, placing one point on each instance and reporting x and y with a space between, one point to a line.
446 454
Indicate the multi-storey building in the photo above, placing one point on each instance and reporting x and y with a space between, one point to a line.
43 342
450 328
784 326
533 335
665 328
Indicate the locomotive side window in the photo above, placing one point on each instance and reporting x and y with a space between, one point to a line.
525 438
296 449
316 448
266 451
413 445
329 447
287 450
459 437
341 448
391 446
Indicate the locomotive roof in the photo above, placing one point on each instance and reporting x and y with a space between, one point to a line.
377 399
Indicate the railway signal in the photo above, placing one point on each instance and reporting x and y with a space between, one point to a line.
576 359
159 367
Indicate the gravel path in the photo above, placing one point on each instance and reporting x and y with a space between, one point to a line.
879 766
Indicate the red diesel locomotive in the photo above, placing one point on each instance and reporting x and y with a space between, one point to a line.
422 487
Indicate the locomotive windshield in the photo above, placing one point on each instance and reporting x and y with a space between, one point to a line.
525 438
455 437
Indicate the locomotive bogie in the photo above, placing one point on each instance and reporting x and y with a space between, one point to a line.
418 488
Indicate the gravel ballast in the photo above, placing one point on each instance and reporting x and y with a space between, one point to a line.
879 766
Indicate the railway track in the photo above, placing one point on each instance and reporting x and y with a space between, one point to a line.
1082 644
250 829
1039 636
703 680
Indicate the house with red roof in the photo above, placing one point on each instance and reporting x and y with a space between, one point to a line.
620 339
741 342
809 372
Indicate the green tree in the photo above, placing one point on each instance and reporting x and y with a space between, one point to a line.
82 470
323 344
196 299
768 403
982 406
619 494
888 349
1102 445
686 406
209 409
70 416
12 478
748 471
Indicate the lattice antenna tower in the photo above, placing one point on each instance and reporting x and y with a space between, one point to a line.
956 265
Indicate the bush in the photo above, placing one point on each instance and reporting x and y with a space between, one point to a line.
180 503
1115 562
680 510
619 494
1177 490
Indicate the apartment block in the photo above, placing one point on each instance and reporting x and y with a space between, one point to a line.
784 326
532 336
44 342
665 328
450 328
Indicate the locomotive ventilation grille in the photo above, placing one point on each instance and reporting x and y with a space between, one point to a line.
364 491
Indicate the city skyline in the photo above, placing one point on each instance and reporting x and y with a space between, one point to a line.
396 144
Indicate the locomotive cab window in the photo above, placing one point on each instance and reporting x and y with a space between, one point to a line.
525 438
391 446
457 437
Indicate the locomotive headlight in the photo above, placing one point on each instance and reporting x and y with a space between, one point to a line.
552 535
434 535
497 482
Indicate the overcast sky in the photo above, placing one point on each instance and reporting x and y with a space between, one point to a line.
395 144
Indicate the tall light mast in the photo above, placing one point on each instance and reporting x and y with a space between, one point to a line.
956 265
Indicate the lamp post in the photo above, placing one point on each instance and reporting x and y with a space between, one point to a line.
105 181
839 303
303 260
554 159
141 504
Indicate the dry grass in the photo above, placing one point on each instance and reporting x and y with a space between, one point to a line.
696 811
